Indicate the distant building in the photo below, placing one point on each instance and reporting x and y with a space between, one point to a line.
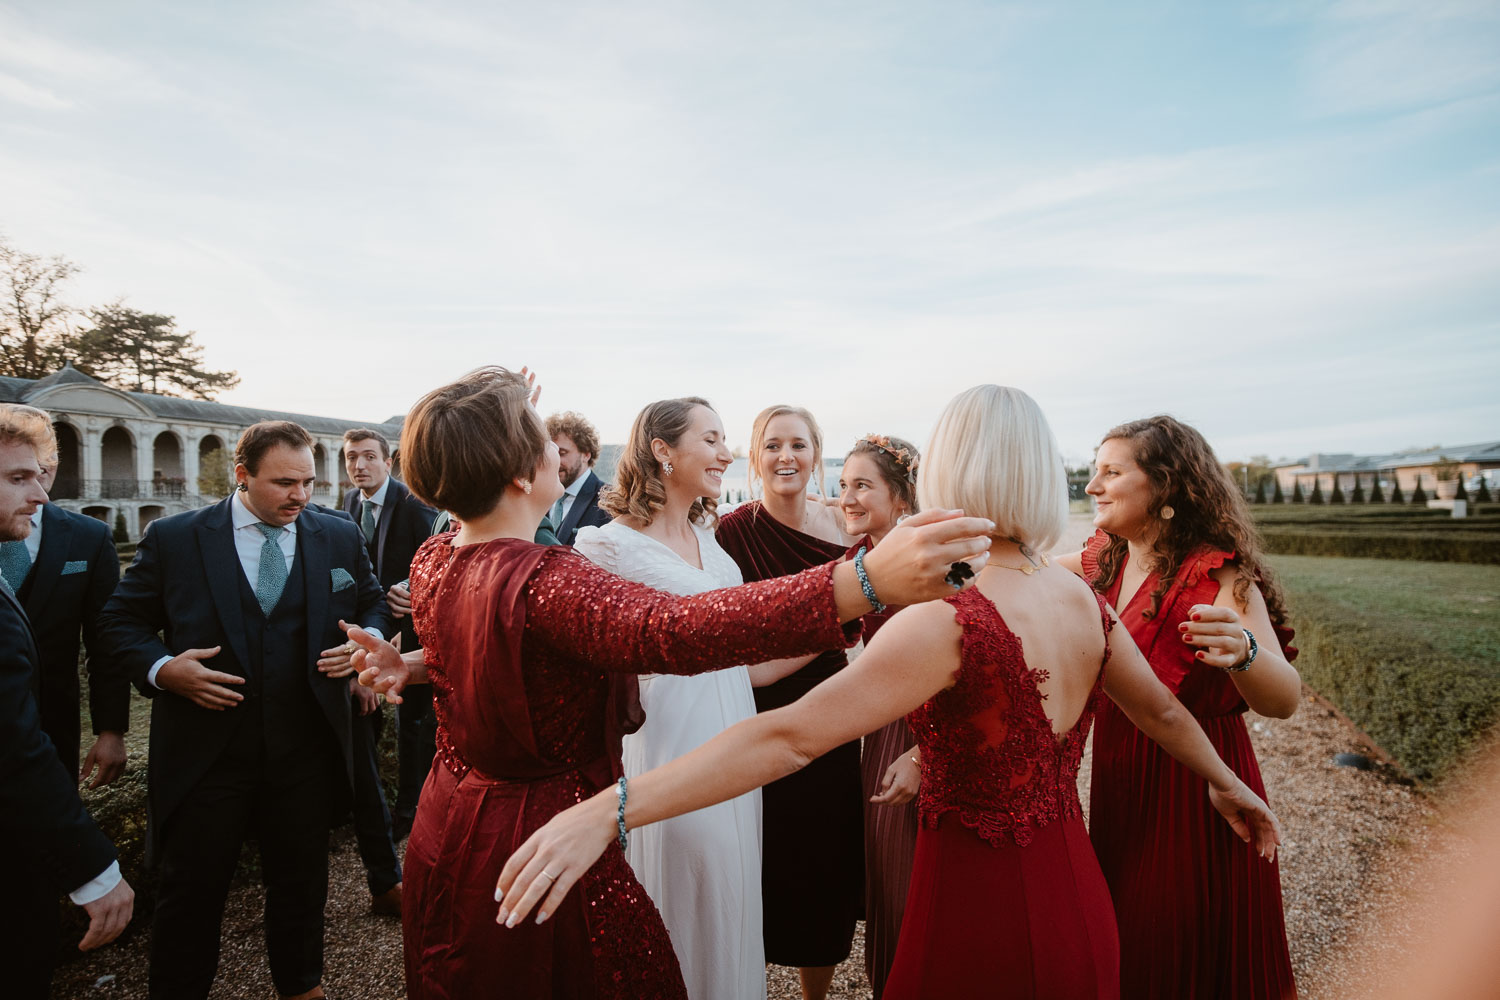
143 455
1470 461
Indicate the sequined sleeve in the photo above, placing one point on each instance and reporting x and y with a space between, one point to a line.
586 612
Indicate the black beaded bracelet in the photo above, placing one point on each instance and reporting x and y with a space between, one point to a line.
864 581
620 816
1249 656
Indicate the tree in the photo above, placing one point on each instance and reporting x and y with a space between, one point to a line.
214 478
1276 496
1260 491
1359 490
1338 491
145 352
1317 493
1297 496
1396 496
1461 493
1483 493
33 318
121 535
1419 495
1376 496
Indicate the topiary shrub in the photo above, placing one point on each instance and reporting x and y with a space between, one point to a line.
1276 496
1461 493
1359 491
1419 495
1297 496
1396 496
1260 490
1482 495
1376 496
1317 493
121 534
1338 492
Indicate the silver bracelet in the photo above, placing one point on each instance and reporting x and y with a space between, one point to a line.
620 816
1249 656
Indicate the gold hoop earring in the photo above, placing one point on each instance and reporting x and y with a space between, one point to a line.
1167 513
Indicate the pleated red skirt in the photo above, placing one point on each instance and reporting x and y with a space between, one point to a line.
1007 921
1199 912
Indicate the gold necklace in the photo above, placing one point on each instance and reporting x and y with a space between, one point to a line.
1034 560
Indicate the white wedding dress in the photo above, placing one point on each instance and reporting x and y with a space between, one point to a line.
702 869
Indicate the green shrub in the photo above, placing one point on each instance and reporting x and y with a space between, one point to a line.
1260 490
1317 493
1405 650
1375 543
1359 491
1338 492
1482 495
1376 496
1461 494
1297 492
1396 496
1276 496
121 534
1419 495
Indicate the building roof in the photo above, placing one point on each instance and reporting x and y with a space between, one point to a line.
1482 453
21 390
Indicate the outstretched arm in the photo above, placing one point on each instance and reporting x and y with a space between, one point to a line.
915 655
1131 684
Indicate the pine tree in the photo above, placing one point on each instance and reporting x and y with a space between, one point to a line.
1461 493
145 352
1419 495
121 534
1338 492
1276 496
1317 493
1260 490
1359 490
1376 496
1297 496
1483 494
1396 496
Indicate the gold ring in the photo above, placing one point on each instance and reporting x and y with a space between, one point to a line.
550 877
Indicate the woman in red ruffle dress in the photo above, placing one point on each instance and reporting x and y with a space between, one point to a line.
1176 553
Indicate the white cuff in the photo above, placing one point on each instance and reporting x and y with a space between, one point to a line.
375 632
98 887
155 669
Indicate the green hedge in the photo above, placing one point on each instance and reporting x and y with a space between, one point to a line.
1409 651
1430 546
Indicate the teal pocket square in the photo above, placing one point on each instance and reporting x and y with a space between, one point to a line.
341 579
75 566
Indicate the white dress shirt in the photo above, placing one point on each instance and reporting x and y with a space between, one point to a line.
34 540
570 494
378 500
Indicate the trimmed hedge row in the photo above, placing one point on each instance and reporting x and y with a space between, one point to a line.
1424 707
1381 543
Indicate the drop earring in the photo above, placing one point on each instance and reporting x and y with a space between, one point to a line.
666 468
526 486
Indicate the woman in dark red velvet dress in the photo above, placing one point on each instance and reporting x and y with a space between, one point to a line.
526 646
812 827
1001 682
877 487
1200 916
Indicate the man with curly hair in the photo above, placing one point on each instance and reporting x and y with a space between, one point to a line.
578 448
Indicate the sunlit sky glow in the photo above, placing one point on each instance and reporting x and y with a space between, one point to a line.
1278 221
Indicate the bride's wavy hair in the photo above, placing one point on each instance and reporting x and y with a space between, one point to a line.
639 490
1208 511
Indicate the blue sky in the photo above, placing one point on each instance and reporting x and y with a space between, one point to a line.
1278 221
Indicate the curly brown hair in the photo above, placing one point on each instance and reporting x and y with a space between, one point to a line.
1208 512
898 460
578 430
638 490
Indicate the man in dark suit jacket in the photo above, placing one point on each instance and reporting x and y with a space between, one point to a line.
74 569
257 738
577 448
395 525
51 843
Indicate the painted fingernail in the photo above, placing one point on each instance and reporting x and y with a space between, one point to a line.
1198 655
1186 637
499 894
1195 616
541 915
512 920
504 917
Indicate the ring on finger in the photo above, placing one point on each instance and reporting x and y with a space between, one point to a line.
550 877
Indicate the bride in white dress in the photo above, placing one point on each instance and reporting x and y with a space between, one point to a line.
703 869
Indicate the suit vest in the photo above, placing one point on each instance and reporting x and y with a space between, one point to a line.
289 715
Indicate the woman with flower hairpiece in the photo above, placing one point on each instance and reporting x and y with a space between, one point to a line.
1177 553
877 487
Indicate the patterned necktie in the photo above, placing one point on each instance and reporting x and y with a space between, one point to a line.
367 520
555 514
272 578
15 563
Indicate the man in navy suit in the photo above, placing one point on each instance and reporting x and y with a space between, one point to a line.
52 844
577 448
250 723
395 524
73 569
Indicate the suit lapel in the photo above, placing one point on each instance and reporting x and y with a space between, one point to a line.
10 599
395 493
56 534
222 569
312 545
586 493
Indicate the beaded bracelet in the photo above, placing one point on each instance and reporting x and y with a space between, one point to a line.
620 816
1249 656
864 581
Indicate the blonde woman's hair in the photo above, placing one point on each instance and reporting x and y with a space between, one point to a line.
994 455
758 441
638 490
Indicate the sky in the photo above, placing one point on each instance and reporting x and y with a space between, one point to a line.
1279 222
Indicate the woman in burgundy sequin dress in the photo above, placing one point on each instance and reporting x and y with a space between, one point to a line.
1200 916
1001 683
527 647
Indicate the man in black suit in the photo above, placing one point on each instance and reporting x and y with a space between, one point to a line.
250 723
73 569
51 843
577 448
394 524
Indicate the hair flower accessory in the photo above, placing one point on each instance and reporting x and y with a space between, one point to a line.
903 457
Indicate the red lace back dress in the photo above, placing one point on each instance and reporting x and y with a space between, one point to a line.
1006 898
525 645
1199 912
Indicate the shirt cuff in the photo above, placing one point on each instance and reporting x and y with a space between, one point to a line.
375 632
155 669
99 887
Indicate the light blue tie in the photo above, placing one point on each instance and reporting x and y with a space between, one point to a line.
15 563
272 579
367 520
555 514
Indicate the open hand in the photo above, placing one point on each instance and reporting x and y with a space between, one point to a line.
185 675
108 755
379 663
543 869
536 390
1250 817
910 565
1218 633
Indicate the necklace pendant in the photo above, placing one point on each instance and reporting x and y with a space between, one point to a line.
1028 570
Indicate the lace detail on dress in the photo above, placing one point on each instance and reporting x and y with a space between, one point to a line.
988 751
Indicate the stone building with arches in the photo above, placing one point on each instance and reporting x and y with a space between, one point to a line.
145 456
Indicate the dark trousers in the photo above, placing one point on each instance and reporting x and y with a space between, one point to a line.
282 800
372 820
416 744
29 933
